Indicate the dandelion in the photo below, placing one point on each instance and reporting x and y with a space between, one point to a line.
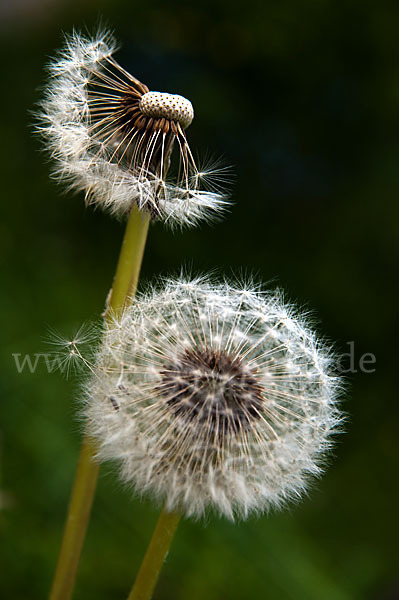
112 137
213 396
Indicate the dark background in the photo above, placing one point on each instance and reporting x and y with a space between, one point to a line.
302 98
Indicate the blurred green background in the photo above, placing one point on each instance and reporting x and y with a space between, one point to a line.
302 98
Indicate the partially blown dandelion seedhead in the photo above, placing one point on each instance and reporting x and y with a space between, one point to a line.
213 396
113 138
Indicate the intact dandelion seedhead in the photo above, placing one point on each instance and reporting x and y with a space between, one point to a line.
213 396
112 137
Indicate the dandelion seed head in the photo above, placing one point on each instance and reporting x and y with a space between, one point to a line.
205 403
161 105
212 388
112 138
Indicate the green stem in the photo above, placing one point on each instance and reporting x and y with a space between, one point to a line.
76 523
129 263
157 550
124 287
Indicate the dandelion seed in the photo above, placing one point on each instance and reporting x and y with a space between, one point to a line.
212 396
72 354
113 138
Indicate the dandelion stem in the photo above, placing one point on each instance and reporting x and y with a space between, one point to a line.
124 287
76 523
129 263
157 550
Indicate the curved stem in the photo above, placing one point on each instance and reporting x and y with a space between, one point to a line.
157 550
124 287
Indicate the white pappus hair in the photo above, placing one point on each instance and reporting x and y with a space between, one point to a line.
111 137
213 396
